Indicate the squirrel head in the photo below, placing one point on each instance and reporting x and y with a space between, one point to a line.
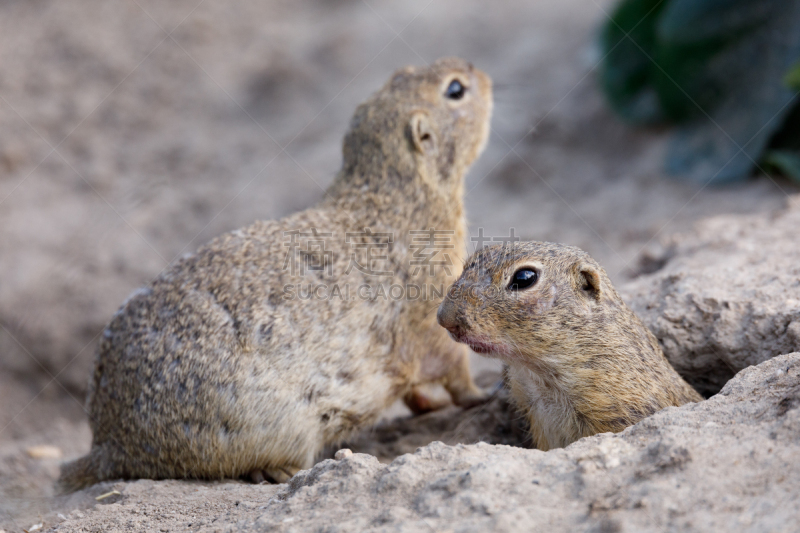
426 123
520 300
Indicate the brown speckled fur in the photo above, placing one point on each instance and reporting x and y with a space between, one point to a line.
211 372
580 361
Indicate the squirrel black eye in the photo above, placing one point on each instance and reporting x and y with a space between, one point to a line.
455 91
522 279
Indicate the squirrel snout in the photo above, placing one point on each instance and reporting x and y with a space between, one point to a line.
449 318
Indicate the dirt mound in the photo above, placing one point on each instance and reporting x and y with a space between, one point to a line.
726 464
725 295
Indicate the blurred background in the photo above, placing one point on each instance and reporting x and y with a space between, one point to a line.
132 132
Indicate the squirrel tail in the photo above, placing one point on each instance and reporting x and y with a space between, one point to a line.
77 474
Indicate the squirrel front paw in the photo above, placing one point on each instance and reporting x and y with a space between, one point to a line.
421 402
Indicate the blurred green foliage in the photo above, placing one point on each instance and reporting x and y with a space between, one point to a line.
793 77
726 72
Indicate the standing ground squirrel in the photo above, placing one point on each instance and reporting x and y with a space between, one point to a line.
279 338
579 360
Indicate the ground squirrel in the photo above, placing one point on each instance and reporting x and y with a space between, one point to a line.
279 338
579 360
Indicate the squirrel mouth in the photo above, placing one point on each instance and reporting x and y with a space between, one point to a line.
478 345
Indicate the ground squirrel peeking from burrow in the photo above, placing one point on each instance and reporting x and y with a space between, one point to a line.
274 340
579 360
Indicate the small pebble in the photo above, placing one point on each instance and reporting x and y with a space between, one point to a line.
344 453
44 451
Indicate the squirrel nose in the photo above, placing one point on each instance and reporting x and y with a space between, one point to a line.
448 317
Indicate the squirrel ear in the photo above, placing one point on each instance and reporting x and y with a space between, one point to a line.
589 281
422 135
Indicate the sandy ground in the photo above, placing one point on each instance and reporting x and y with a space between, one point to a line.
132 132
